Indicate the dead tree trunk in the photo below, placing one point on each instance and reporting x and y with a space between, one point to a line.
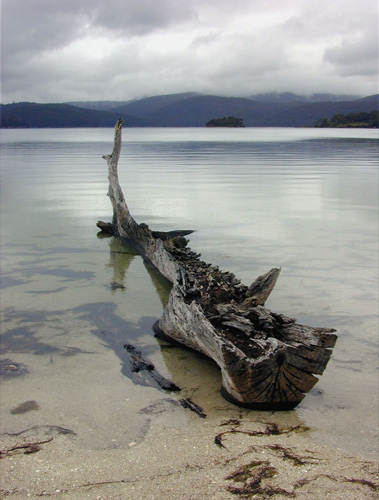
267 360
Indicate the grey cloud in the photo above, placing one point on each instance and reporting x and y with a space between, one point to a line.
355 56
141 17
251 56
39 25
33 29
43 24
56 50
206 39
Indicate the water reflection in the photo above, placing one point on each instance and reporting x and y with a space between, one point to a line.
161 285
120 258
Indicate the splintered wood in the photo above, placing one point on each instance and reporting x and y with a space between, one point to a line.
267 360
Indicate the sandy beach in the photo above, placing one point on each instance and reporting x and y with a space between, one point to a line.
217 458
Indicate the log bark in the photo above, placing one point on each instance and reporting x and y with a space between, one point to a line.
267 360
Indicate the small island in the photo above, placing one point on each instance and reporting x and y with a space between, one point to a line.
351 120
226 121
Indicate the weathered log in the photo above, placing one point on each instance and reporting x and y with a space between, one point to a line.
267 360
105 227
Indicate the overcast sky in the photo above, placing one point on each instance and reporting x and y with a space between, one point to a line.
59 50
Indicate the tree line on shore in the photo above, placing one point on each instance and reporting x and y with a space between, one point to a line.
226 121
351 120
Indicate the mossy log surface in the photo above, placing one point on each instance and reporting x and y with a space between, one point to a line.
267 360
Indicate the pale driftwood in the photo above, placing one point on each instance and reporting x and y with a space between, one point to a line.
267 360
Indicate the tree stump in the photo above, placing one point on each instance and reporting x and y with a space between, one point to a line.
267 360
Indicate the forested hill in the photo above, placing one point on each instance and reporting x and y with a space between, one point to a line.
183 110
195 110
34 115
306 115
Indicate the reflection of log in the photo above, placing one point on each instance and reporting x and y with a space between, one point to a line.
161 285
120 259
267 360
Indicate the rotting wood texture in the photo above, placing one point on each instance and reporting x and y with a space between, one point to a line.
267 360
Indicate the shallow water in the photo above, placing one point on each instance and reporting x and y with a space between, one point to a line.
304 199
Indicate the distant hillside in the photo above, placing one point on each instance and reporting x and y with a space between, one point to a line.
149 105
183 110
289 97
141 107
306 115
98 105
195 110
34 115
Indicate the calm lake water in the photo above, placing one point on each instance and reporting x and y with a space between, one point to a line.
303 199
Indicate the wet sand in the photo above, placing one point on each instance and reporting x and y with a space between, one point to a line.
74 426
172 462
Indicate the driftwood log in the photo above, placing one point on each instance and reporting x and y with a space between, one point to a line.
267 360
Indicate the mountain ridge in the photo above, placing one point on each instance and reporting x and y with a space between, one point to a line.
187 109
57 115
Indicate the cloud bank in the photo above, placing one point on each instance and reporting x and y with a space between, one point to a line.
56 50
